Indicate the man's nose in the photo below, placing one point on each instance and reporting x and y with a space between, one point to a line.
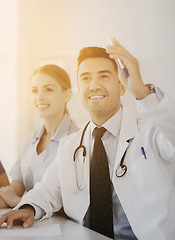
94 84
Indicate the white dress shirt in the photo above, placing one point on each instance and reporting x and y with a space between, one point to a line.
30 166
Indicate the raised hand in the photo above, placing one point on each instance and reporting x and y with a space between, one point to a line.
134 81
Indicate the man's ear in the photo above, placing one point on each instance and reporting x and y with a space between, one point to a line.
122 90
67 96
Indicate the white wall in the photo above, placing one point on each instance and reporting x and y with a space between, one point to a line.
52 30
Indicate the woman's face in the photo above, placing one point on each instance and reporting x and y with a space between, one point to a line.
47 96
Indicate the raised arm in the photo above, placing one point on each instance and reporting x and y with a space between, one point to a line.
161 111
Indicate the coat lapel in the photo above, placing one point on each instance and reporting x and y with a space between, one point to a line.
80 198
128 131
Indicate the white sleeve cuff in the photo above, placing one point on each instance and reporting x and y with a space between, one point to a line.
39 212
151 101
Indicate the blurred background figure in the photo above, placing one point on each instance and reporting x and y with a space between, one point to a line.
3 176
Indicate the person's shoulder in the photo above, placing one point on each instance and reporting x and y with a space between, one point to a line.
73 137
73 128
31 137
69 123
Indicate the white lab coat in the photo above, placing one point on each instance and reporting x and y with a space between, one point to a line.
146 191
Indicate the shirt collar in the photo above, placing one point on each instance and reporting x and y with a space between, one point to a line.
38 134
112 125
61 131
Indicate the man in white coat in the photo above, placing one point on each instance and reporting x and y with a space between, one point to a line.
140 152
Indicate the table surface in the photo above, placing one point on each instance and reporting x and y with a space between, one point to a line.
69 231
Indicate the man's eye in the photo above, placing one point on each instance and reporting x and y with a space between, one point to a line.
104 76
85 78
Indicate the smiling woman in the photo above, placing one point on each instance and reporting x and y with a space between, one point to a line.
50 92
48 97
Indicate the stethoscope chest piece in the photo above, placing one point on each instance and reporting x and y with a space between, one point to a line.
121 170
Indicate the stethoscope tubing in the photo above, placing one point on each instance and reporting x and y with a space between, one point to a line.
81 144
121 170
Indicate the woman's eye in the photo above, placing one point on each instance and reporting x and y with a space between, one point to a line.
34 90
49 89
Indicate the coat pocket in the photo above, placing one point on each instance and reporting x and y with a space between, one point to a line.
151 179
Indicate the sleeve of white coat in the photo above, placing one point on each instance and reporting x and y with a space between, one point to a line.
39 212
46 194
160 109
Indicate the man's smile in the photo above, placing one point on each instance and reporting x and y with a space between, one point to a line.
96 96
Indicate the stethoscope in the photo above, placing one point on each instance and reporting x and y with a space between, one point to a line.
120 171
82 148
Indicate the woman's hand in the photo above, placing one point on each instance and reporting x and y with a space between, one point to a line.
9 195
134 81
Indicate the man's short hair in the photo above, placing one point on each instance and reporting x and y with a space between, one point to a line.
94 52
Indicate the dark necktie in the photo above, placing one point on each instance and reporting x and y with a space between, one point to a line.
100 215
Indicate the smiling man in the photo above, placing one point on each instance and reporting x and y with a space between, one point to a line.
99 87
122 183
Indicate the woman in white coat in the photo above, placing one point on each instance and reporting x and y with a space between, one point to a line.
50 91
